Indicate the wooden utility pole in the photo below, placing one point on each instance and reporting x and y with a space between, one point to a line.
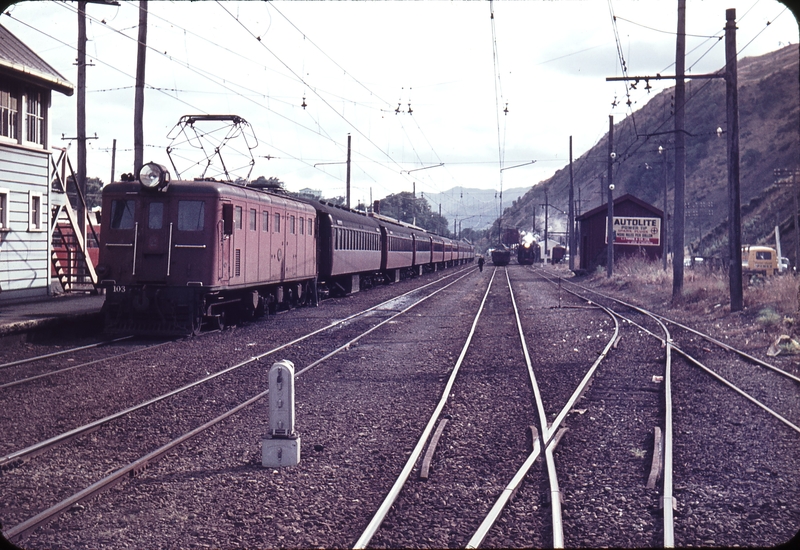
138 102
678 221
348 170
610 215
80 173
113 160
571 215
734 212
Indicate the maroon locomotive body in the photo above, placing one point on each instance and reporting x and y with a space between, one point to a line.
174 256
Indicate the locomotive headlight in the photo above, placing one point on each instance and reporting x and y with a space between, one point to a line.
154 176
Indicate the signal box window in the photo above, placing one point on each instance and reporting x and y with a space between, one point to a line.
3 209
155 219
122 214
191 215
8 113
35 212
34 118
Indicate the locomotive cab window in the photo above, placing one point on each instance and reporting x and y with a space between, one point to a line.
763 255
122 214
155 218
191 215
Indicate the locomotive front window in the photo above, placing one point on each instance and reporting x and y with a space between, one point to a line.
155 218
191 215
122 214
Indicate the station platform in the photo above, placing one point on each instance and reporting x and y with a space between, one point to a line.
51 313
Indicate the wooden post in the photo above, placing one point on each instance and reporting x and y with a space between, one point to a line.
732 139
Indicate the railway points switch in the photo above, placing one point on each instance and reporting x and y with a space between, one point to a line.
281 447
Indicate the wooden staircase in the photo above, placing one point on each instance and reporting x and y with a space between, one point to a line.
72 256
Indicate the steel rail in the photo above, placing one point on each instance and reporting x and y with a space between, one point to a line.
547 439
555 508
37 448
67 369
62 352
394 492
668 499
20 530
698 333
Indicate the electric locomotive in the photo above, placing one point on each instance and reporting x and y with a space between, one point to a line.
177 253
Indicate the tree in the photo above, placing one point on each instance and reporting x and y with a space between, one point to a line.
406 208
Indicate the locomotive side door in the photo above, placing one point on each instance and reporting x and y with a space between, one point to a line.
225 235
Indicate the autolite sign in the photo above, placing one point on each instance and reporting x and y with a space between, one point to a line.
636 231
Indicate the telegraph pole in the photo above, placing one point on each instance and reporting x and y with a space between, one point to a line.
348 170
571 215
678 229
81 121
138 100
734 212
610 215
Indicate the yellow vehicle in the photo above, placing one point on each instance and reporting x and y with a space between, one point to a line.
759 260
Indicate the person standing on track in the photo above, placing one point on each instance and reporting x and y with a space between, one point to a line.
480 263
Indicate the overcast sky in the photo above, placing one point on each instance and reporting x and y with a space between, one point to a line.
544 61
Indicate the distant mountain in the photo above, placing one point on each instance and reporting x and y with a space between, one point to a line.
473 208
769 139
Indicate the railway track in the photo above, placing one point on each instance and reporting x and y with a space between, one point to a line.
370 318
360 415
485 410
747 391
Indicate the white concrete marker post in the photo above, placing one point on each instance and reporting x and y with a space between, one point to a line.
281 447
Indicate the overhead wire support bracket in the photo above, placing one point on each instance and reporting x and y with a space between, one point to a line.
423 168
518 165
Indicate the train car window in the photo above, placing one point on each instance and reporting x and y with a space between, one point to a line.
191 215
155 218
291 225
310 227
277 227
265 221
252 219
302 224
122 214
237 217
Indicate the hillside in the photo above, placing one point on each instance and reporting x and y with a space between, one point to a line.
478 210
769 120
